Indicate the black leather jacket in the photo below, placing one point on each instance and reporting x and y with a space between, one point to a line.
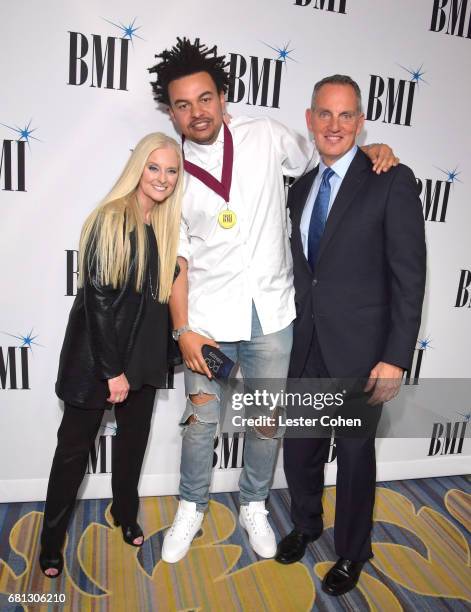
100 333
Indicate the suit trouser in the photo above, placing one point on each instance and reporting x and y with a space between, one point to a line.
304 462
76 434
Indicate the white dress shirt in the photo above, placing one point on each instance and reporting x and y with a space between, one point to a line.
230 268
340 168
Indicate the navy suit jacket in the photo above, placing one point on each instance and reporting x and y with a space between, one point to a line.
365 295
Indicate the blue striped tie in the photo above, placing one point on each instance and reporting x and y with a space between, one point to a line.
319 218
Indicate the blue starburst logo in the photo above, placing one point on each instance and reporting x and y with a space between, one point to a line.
26 340
467 417
25 134
424 344
283 52
416 75
451 175
128 31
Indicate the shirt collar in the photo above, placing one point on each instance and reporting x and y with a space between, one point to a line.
341 166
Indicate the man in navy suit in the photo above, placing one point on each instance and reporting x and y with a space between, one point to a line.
359 272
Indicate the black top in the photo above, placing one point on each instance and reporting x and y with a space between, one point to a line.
147 363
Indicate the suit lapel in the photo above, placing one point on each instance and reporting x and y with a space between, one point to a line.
297 208
299 200
354 178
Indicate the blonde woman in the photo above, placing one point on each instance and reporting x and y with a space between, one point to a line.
116 349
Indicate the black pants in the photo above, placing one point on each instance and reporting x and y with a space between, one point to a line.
76 434
304 462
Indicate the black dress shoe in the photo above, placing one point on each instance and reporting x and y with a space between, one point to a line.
342 577
292 547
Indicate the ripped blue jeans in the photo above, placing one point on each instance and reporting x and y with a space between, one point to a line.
263 356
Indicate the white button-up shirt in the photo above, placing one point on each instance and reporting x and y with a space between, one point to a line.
230 268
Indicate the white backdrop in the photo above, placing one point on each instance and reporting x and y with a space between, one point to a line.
64 144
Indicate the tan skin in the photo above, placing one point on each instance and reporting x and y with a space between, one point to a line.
197 109
335 124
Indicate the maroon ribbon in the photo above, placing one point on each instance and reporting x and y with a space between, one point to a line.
222 187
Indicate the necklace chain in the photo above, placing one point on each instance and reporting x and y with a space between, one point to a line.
153 293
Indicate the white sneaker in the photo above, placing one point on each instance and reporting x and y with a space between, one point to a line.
185 526
253 518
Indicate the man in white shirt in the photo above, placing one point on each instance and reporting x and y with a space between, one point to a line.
235 288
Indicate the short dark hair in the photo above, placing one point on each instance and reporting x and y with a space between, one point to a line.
187 58
337 79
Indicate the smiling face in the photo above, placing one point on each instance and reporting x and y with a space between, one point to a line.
196 107
335 121
158 178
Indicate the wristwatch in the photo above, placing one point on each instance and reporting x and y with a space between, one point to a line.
176 333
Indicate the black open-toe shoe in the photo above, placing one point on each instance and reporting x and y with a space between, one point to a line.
51 560
130 532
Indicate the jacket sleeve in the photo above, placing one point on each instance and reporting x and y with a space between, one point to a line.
101 328
406 256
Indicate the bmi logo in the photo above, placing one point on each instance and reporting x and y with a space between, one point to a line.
101 452
463 297
391 99
332 449
435 194
229 451
13 157
71 272
333 6
257 80
287 181
14 362
412 375
448 438
451 17
101 61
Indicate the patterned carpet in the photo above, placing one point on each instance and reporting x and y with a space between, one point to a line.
421 545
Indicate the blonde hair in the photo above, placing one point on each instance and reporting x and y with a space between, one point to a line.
104 242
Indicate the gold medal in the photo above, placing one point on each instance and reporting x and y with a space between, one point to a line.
227 219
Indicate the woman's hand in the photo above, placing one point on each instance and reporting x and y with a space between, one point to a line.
119 389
